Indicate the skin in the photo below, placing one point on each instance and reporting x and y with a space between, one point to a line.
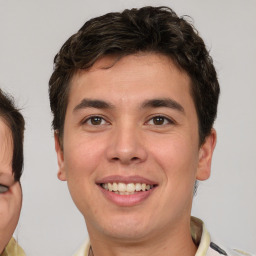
127 141
10 201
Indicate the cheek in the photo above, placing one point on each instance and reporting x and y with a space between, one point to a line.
82 157
82 160
177 156
177 159
82 163
4 211
10 206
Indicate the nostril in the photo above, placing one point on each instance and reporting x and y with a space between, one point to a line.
133 159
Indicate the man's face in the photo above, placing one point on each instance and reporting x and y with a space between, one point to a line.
132 127
10 191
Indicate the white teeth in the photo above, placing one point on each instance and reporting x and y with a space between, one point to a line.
109 186
138 187
121 187
126 189
114 187
130 187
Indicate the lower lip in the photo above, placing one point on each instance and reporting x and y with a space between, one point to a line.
127 200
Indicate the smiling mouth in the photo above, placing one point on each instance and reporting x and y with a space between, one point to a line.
126 189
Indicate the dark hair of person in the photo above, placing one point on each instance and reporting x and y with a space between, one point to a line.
15 121
147 30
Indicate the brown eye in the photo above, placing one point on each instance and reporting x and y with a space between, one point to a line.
158 120
95 121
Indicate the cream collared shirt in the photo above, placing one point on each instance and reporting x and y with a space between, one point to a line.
13 249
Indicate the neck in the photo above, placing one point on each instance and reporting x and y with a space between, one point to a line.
176 241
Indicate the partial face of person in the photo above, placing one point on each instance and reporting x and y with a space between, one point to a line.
131 150
10 191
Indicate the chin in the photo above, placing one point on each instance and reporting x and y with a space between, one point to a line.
127 234
125 228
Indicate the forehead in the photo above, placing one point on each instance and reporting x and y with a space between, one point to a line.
130 74
6 144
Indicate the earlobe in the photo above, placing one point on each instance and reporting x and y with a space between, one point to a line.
205 156
60 157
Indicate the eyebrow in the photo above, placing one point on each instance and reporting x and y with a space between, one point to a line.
164 102
153 103
88 103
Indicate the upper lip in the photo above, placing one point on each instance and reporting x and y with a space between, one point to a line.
125 179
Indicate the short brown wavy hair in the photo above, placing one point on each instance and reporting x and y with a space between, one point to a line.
15 121
148 29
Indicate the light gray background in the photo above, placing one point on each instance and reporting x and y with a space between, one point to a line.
31 34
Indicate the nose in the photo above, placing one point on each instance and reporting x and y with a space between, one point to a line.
126 146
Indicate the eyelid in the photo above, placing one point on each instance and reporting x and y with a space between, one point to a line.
3 189
170 120
86 119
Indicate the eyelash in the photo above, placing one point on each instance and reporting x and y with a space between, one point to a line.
3 189
166 120
89 119
100 119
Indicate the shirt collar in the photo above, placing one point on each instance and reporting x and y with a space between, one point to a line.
13 249
200 236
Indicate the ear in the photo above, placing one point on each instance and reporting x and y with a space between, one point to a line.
60 157
205 156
